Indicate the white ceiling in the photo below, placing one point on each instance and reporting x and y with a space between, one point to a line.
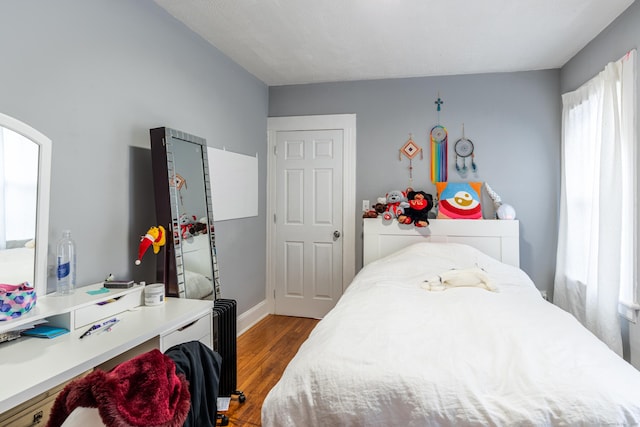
306 41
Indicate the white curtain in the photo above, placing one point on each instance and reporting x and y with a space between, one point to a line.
596 259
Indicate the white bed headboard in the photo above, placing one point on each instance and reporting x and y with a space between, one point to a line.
496 238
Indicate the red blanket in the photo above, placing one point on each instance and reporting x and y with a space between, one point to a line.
143 391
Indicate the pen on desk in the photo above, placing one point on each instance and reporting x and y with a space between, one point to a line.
88 331
91 330
108 327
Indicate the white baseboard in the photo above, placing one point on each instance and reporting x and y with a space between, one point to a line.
252 316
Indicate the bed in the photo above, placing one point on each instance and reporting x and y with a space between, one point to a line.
394 353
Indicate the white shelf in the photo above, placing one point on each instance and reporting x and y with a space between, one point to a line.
60 308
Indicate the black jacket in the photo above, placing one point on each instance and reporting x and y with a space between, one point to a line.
201 367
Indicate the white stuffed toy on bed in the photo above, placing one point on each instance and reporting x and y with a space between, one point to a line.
470 277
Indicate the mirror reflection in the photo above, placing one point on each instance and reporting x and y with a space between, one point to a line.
183 203
188 181
18 204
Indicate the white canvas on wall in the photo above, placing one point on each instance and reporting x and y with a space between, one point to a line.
234 184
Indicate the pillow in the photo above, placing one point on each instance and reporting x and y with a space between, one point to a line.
459 200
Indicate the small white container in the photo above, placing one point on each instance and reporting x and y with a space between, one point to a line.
154 294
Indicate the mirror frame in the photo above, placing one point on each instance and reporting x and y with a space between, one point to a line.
42 203
171 270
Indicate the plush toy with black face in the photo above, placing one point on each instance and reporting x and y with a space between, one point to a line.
420 203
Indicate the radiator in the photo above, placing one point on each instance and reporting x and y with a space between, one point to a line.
224 343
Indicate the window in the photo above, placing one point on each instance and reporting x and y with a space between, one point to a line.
596 271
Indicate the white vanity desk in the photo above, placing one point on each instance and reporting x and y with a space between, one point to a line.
32 366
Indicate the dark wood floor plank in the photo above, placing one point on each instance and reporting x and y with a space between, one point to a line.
264 351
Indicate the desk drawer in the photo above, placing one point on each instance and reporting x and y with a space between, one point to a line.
34 416
34 412
90 314
199 330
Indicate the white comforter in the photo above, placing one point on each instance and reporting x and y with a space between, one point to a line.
392 353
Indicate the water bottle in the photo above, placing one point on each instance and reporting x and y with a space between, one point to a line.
66 272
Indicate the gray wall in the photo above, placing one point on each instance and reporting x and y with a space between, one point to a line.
512 118
95 76
617 39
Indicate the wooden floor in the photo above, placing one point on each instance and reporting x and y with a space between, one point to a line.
263 353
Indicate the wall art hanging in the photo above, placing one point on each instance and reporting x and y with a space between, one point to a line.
464 152
439 148
410 149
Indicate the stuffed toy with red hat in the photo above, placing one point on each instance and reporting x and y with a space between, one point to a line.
155 237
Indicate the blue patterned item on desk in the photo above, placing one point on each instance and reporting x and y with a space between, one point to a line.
15 300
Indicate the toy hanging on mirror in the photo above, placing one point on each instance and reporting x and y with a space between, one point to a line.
410 149
464 150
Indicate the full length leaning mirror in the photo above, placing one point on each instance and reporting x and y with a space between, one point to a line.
183 206
25 173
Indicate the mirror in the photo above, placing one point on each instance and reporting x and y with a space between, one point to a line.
25 172
183 206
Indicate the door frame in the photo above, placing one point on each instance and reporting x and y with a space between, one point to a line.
346 123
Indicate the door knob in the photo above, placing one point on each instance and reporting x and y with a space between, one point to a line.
336 234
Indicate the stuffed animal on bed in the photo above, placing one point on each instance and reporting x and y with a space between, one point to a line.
470 277
396 204
420 203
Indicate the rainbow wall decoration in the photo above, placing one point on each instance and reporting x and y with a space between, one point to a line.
439 150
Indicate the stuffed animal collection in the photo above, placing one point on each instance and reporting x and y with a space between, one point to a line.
408 207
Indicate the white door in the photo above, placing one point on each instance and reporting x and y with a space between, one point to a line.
308 233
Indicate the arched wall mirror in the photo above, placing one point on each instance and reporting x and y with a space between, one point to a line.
25 173
183 206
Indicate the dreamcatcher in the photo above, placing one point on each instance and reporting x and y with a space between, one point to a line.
439 147
464 150
411 150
